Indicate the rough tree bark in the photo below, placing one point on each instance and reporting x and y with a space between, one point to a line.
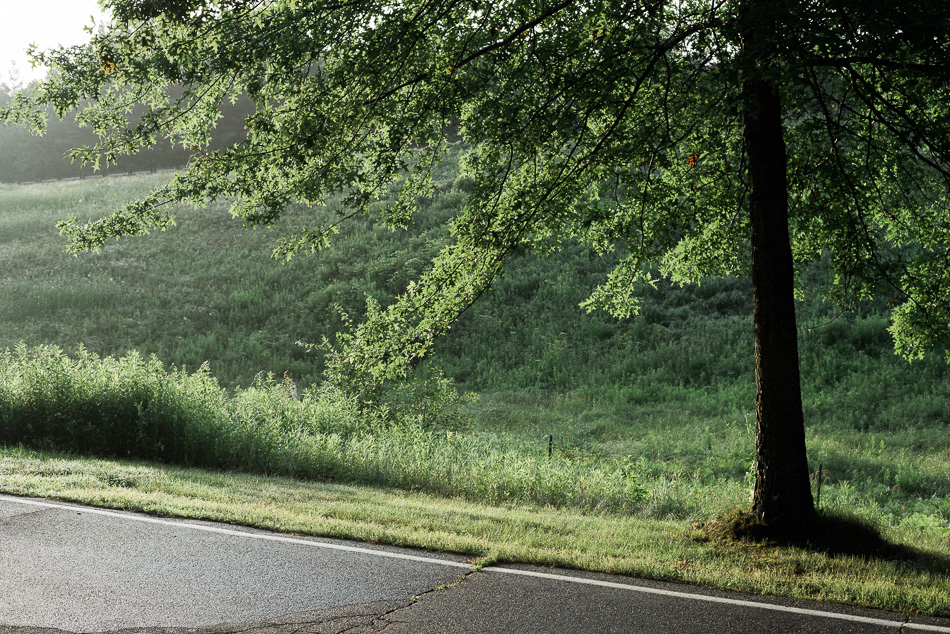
782 497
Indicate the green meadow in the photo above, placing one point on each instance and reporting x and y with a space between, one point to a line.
164 374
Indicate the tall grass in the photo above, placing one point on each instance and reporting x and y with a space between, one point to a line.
132 408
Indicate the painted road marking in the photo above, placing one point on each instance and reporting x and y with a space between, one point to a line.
711 599
236 533
494 569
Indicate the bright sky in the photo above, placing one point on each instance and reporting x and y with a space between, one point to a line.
45 23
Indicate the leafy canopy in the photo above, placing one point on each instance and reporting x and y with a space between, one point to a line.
612 122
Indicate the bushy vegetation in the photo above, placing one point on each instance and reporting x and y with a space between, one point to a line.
132 408
666 398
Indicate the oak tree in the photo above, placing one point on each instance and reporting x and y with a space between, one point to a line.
690 138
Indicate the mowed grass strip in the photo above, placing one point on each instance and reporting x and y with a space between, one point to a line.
917 582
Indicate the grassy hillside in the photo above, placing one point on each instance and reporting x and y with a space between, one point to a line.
207 290
670 394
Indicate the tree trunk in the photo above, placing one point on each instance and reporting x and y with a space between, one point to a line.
782 496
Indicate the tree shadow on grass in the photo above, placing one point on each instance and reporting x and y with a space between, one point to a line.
833 534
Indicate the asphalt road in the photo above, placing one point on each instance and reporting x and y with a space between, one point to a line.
80 569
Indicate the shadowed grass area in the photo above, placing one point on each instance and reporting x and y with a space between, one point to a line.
834 534
918 582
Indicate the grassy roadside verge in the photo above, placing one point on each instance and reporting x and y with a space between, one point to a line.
652 548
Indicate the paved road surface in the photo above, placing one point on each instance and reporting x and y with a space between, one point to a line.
80 569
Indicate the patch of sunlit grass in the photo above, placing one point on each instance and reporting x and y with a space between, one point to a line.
917 582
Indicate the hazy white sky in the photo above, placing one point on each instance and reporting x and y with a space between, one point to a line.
45 23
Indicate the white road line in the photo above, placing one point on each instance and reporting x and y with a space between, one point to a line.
711 599
495 569
235 533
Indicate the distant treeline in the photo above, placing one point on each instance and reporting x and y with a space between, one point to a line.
28 157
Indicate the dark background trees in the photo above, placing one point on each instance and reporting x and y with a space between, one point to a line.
29 156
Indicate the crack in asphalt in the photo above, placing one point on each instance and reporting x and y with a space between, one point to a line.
337 620
386 623
355 618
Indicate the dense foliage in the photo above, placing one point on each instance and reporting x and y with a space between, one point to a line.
614 123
